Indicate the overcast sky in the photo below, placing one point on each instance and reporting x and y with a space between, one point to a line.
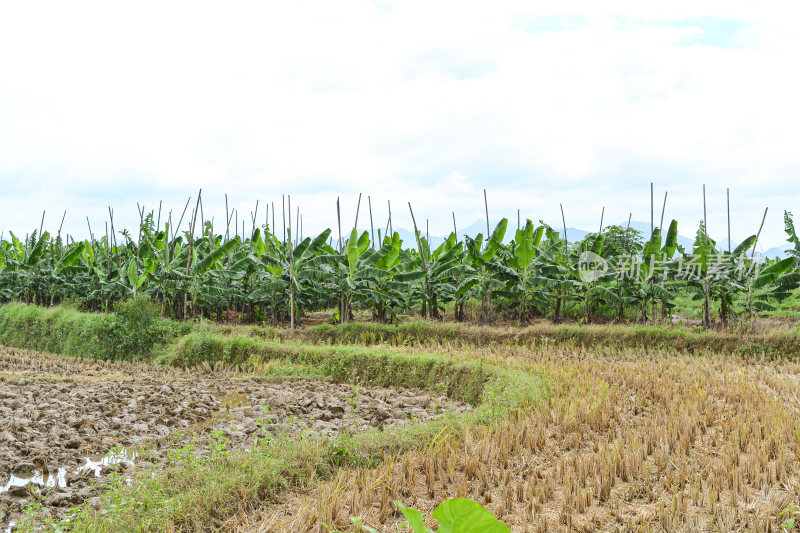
541 103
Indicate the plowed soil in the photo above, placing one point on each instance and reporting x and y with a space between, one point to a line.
65 423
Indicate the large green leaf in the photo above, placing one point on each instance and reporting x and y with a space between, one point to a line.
208 261
671 243
525 252
461 515
389 254
744 246
310 247
259 248
409 276
353 251
495 241
772 272
133 275
653 246
70 257
38 249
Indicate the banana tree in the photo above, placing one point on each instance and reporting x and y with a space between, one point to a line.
521 267
656 268
478 257
287 273
441 268
776 281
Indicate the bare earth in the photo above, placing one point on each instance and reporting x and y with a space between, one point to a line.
65 424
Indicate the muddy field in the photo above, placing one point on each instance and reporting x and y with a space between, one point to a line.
65 424
625 442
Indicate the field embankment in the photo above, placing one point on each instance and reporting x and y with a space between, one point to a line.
136 332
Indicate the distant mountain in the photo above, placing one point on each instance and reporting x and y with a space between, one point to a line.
573 235
777 252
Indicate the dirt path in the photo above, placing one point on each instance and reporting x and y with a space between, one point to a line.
66 422
624 443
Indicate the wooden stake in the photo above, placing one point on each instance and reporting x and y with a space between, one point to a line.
358 208
58 238
391 228
486 207
728 195
651 208
759 232
705 216
371 227
602 215
339 223
227 220
707 300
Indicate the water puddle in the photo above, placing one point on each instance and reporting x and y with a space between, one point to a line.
233 399
58 477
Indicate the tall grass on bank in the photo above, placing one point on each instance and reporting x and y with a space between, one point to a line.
134 332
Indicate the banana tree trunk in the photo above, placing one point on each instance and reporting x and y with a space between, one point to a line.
723 310
344 309
558 315
523 318
291 307
587 308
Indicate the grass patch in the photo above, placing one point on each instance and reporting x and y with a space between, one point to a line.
135 332
459 380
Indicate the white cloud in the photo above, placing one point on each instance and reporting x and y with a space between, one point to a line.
413 101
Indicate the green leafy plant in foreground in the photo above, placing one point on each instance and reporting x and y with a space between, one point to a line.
456 515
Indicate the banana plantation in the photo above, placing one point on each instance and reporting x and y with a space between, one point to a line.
268 278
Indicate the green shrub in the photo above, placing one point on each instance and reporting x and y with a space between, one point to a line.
134 333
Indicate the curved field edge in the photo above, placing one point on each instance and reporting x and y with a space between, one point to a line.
135 333
192 494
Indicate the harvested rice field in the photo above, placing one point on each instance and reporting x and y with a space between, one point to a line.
622 442
334 436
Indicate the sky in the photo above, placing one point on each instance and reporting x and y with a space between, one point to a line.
580 103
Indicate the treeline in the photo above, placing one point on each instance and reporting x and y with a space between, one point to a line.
616 273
